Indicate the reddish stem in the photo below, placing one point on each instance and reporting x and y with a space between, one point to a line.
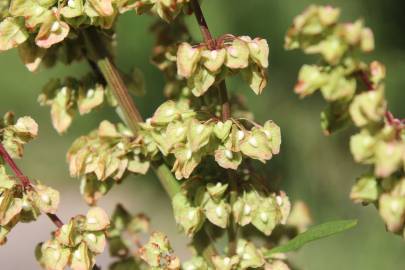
9 160
209 40
211 43
56 220
25 181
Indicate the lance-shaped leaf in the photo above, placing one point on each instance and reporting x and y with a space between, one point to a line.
12 33
312 234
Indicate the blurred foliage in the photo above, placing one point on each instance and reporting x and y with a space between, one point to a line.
317 169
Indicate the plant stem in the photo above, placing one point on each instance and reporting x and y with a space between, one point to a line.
225 115
125 102
225 104
25 181
171 186
56 220
113 78
203 24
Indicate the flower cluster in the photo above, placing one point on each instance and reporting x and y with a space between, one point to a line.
158 253
124 233
211 200
76 244
104 157
249 256
164 56
203 67
355 92
175 129
15 134
168 10
20 205
20 202
317 31
47 31
83 95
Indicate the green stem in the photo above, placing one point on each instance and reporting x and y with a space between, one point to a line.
225 115
169 183
130 112
133 117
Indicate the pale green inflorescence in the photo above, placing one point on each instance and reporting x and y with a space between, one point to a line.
77 243
222 188
20 203
355 93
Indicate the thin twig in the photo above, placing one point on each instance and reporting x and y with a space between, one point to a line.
25 181
225 115
209 40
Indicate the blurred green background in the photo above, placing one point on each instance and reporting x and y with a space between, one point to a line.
311 167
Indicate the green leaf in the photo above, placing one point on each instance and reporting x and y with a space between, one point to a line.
315 233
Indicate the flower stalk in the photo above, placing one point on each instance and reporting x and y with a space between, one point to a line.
25 181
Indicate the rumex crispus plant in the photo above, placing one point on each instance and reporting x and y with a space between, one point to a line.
202 143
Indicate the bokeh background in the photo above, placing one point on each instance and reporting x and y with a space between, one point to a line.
311 167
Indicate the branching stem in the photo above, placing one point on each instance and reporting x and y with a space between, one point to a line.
225 115
25 181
